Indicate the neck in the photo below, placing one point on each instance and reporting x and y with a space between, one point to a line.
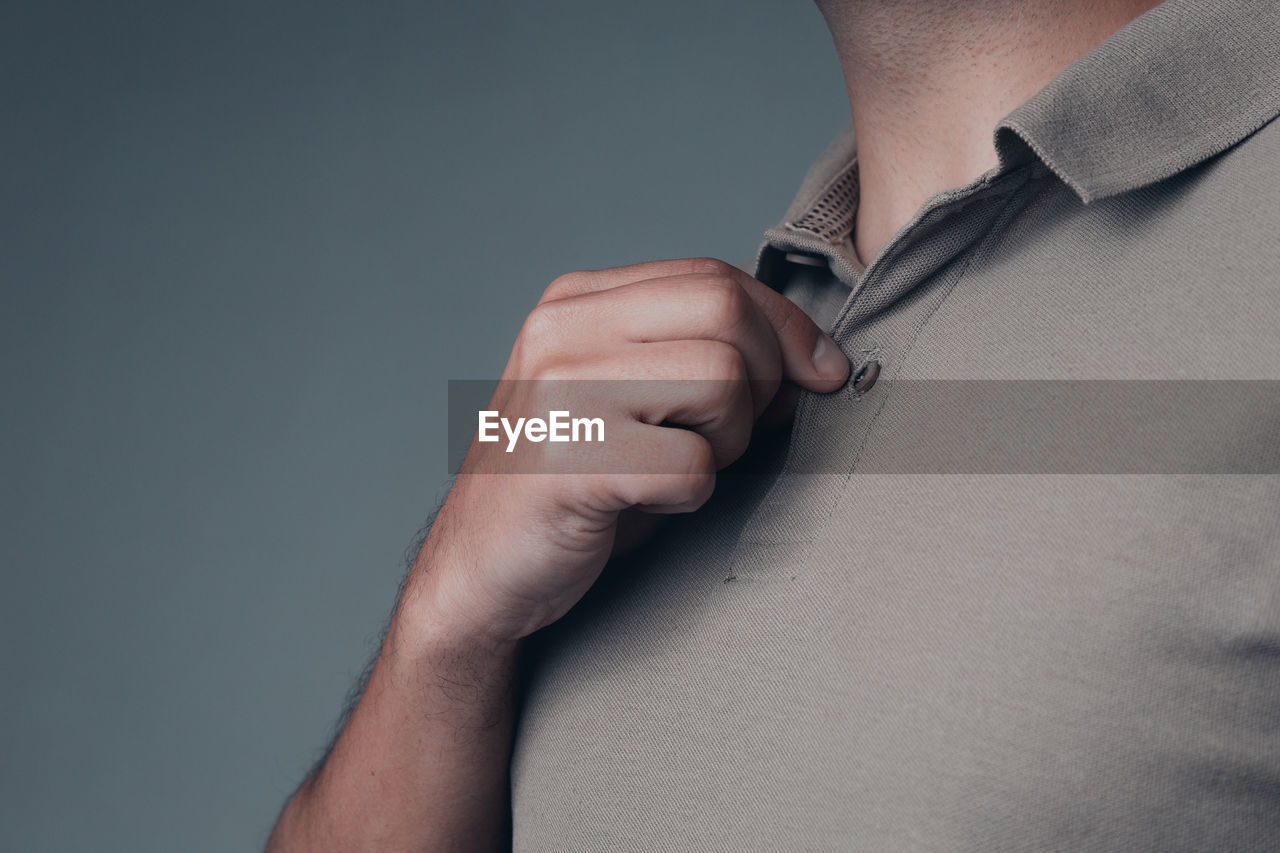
929 81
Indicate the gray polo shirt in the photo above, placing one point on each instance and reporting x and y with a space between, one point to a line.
899 634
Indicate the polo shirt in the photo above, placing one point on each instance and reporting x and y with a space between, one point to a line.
893 633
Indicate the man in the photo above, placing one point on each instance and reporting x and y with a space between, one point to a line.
857 651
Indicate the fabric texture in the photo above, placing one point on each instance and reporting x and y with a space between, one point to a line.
830 657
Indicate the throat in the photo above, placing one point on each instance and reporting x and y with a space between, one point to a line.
928 82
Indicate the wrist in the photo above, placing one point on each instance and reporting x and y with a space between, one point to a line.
435 613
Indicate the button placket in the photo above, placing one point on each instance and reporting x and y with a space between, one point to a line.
797 506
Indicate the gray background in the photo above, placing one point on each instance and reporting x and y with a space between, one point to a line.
245 245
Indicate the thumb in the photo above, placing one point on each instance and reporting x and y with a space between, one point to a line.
810 358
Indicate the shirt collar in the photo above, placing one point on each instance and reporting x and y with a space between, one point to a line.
1177 85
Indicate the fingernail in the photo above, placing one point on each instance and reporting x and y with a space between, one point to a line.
828 359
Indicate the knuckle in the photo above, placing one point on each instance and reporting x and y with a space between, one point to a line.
681 475
734 418
569 284
711 266
698 489
733 442
731 400
792 323
553 371
727 303
723 362
542 324
739 440
540 339
695 457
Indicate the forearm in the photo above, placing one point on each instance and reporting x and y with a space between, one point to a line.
422 763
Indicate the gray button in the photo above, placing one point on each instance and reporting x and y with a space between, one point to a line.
866 377
806 259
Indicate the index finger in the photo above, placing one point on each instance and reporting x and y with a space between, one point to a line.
810 358
590 281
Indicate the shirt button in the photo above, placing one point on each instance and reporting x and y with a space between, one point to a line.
806 259
866 377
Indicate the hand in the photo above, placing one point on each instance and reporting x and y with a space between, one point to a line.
512 552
